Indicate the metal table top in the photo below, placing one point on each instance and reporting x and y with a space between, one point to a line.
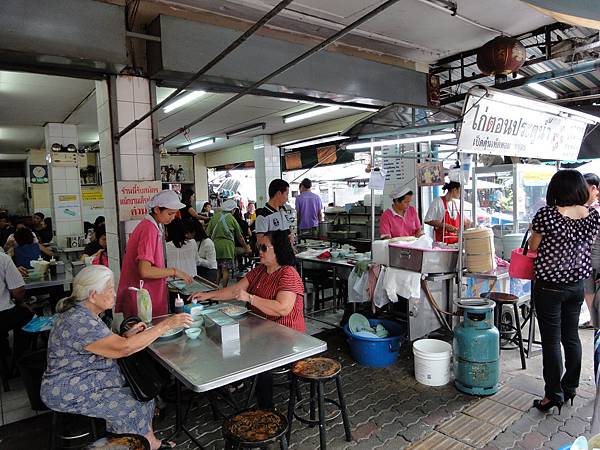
311 256
202 365
499 273
60 279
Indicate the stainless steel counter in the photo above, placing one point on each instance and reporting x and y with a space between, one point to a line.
59 279
202 365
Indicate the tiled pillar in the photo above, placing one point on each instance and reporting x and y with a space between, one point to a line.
129 159
267 166
200 177
64 184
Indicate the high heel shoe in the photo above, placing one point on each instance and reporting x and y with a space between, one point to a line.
545 407
569 397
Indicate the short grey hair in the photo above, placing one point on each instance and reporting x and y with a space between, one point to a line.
90 279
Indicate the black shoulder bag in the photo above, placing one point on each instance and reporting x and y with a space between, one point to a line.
143 374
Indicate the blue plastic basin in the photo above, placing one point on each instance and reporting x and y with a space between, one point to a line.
376 352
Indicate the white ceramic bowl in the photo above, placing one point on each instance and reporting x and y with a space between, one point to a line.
193 333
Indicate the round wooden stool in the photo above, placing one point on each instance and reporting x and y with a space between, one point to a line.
255 428
120 442
508 331
317 371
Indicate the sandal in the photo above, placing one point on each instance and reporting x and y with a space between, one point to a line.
166 445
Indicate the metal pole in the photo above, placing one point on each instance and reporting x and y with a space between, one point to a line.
235 44
372 198
461 226
284 68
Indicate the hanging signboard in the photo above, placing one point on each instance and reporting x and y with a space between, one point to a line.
132 197
497 123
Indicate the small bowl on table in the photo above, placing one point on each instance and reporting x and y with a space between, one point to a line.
193 333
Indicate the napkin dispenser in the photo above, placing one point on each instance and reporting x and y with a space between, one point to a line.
221 328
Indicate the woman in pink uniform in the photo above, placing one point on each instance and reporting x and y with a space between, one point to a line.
401 219
144 258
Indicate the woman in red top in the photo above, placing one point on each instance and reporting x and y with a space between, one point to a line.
273 290
444 216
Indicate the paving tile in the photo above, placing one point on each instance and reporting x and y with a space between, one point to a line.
514 398
574 426
558 440
395 444
493 412
532 441
469 430
417 431
505 440
527 383
437 440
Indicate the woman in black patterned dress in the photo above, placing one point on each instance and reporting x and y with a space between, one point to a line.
563 232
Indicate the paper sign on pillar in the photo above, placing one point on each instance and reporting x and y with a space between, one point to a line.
132 197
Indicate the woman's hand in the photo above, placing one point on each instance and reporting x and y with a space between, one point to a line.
184 276
98 253
200 296
135 329
242 294
178 321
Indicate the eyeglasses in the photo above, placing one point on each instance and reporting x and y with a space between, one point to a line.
263 248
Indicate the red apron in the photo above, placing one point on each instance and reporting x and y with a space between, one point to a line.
448 237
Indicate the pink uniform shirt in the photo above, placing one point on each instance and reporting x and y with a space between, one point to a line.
393 224
144 244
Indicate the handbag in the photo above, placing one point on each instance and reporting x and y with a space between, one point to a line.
521 261
142 373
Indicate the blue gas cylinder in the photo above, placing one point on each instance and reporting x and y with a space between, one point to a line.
476 348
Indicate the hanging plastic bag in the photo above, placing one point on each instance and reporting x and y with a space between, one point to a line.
144 303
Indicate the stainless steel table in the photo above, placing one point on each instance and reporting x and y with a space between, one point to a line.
336 264
60 279
202 365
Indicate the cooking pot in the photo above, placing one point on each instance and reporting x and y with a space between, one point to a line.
324 228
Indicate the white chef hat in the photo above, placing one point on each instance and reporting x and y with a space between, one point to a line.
165 199
229 205
400 192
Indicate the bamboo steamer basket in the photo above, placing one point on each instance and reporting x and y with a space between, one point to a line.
479 249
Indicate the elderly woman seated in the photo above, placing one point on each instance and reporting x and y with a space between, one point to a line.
82 375
273 290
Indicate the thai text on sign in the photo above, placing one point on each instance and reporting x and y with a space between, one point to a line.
132 197
509 125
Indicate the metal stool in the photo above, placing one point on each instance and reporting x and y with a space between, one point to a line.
255 428
508 331
284 370
56 433
119 442
317 371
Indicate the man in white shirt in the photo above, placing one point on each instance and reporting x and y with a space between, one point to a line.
14 312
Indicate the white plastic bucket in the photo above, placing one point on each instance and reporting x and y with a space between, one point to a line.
432 361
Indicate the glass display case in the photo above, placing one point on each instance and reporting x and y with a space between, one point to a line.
507 197
509 194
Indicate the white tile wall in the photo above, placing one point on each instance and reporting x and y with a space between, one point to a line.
127 144
141 90
129 168
143 139
125 88
145 167
72 173
141 109
126 115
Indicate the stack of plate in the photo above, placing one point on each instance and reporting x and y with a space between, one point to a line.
360 326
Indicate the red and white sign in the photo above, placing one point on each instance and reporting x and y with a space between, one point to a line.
132 197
